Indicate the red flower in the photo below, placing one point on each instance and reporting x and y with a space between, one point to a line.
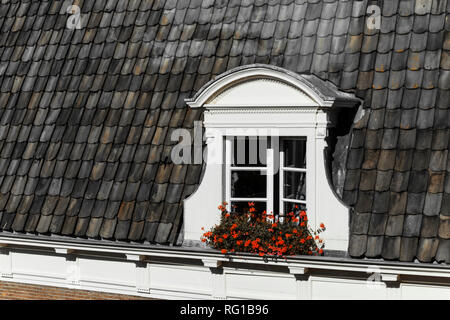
264 237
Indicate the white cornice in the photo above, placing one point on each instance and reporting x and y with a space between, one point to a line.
389 270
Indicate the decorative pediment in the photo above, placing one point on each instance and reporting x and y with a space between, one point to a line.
261 92
267 86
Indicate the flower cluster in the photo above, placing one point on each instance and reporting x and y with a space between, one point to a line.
264 234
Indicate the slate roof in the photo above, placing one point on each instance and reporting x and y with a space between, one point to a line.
86 115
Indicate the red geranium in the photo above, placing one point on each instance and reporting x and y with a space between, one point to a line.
264 234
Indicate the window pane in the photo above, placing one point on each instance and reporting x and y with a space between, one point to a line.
248 184
296 208
294 153
295 185
243 207
249 151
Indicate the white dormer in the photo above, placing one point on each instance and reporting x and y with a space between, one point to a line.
265 131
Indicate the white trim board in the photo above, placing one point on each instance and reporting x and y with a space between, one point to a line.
183 273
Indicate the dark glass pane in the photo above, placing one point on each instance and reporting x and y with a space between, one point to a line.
249 151
243 207
294 207
248 184
294 153
295 185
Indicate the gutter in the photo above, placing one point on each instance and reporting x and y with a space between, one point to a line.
213 259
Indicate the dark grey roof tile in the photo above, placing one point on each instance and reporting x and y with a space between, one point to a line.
374 246
443 251
408 248
429 227
435 40
415 203
107 228
163 232
357 245
418 41
386 160
360 223
440 140
427 249
432 204
158 192
388 24
418 181
407 139
420 159
437 22
424 139
368 179
149 230
438 160
394 226
412 225
400 181
421 23
355 158
99 208
377 224
391 248
390 139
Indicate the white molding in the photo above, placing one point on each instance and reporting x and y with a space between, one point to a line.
135 257
206 95
298 270
355 265
211 263
188 274
390 277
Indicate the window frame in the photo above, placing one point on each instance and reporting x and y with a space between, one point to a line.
274 158
283 169
229 147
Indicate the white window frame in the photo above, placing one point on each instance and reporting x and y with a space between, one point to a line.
269 169
284 169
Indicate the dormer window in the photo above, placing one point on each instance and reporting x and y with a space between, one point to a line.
276 186
265 131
